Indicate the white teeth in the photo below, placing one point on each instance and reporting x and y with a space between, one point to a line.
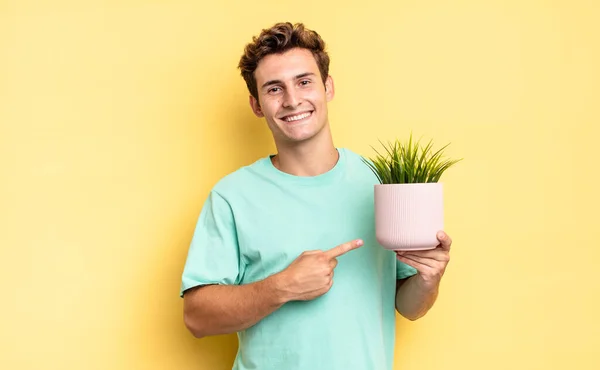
298 117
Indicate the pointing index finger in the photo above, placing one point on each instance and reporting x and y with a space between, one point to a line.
343 248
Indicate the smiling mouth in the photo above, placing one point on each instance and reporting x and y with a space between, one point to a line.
297 117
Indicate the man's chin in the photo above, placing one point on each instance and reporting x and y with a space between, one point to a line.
301 138
298 136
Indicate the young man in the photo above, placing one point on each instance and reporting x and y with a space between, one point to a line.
284 252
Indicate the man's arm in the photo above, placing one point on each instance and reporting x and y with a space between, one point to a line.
413 300
224 309
416 295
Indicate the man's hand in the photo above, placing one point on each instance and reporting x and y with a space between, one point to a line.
311 274
430 264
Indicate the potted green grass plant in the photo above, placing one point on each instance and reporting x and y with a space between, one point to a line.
409 208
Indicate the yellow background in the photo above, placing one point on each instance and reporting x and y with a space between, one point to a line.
117 118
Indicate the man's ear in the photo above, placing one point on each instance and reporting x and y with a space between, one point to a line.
329 88
255 105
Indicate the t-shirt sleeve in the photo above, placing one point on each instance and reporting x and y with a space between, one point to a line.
213 256
403 270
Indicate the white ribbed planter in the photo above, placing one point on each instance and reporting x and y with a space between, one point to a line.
408 216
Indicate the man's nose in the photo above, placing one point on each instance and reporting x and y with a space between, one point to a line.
290 99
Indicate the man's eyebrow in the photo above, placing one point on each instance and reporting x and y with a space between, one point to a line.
302 75
274 82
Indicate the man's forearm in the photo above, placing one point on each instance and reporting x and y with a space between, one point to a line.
414 297
224 309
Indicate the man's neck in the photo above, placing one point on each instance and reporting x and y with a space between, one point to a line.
311 158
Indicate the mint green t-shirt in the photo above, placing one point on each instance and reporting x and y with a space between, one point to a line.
257 220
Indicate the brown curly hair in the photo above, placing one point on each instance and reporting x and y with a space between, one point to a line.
279 39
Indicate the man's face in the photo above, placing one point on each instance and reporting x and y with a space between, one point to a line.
292 96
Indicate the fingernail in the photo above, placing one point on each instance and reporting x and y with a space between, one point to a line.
441 236
359 242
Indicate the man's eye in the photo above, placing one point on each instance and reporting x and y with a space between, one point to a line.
304 82
274 89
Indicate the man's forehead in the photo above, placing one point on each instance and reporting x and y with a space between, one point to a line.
285 66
